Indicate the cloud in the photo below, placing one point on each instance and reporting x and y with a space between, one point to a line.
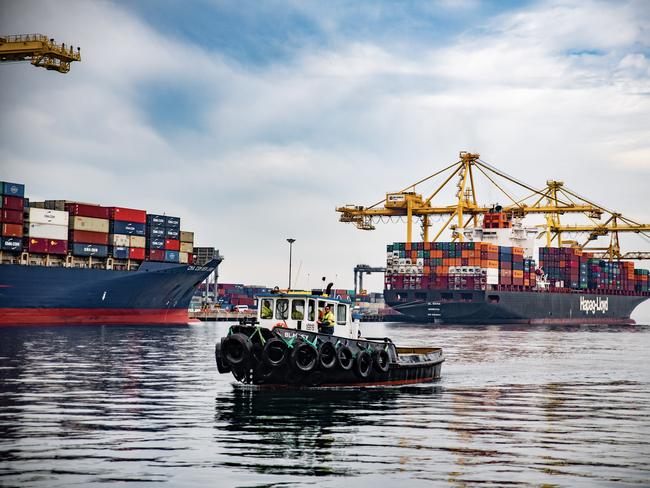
249 153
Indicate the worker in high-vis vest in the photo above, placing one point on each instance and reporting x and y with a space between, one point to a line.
328 321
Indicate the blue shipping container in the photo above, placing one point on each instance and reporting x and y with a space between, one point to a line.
13 189
171 256
156 231
95 250
120 252
171 233
173 222
157 220
157 244
12 244
129 228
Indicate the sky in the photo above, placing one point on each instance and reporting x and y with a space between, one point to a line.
253 121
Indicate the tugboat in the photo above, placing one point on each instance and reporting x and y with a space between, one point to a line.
288 344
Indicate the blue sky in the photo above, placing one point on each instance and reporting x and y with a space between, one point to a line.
254 120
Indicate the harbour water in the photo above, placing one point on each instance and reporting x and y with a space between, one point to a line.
135 406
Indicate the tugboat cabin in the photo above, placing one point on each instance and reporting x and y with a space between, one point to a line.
301 310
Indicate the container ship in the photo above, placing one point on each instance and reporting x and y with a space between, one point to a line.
65 262
493 270
495 279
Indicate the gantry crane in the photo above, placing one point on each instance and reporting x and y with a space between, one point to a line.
552 201
40 50
359 271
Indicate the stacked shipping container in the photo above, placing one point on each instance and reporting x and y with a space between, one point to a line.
474 265
11 216
63 227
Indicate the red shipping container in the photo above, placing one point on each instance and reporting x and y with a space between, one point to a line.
190 258
136 253
83 210
88 237
156 255
57 246
172 244
37 245
128 215
12 203
12 216
12 230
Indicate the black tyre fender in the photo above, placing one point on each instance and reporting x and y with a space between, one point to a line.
381 360
363 364
344 358
222 367
275 352
236 350
304 357
327 355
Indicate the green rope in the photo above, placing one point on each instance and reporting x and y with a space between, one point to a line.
289 342
312 344
259 332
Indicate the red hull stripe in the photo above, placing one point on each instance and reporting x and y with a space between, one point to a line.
583 321
86 316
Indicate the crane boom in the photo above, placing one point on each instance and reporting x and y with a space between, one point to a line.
552 201
40 50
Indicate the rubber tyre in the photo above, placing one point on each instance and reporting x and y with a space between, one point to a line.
327 355
304 357
363 364
381 361
344 358
236 350
222 367
275 352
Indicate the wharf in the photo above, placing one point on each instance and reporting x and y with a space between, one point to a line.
219 315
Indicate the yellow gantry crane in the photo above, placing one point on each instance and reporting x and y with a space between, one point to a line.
552 201
40 50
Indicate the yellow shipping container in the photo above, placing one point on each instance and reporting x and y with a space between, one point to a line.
90 224
137 241
187 247
187 236
182 257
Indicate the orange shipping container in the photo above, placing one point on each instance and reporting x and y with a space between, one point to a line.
12 230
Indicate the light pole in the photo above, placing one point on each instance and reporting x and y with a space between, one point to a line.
290 241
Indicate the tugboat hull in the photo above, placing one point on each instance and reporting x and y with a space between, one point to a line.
294 358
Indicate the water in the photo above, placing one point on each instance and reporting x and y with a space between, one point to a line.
552 406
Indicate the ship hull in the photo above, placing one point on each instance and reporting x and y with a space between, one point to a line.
513 307
157 293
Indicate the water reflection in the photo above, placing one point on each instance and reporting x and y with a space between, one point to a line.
309 431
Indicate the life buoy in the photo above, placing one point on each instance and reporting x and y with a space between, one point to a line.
381 360
280 324
275 352
363 364
236 349
327 355
344 358
304 357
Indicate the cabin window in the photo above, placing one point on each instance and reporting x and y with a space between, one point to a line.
267 309
298 309
311 312
321 309
341 315
282 309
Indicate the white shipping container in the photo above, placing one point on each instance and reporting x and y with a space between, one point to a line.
182 257
90 224
138 241
48 231
45 216
187 236
185 247
121 240
492 280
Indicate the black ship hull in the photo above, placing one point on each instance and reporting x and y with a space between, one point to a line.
499 306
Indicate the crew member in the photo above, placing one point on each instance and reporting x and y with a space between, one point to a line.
267 313
326 324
